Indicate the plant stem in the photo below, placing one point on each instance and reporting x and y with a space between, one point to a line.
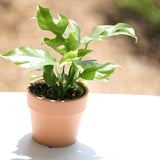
86 46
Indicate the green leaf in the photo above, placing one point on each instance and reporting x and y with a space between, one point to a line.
58 44
99 72
86 40
76 29
69 57
46 22
48 75
103 31
72 42
30 58
83 52
83 65
96 32
62 45
119 29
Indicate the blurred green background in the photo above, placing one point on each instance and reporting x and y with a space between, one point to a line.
140 71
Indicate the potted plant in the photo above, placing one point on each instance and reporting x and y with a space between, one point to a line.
58 97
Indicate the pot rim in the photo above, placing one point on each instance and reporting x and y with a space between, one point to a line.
59 101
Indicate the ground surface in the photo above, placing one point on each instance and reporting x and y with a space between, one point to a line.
138 74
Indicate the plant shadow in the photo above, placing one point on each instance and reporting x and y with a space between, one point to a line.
28 149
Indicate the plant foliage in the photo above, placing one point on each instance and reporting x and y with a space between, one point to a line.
54 73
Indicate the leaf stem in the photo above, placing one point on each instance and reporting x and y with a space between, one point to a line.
86 45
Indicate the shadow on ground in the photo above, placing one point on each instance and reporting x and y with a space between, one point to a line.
28 149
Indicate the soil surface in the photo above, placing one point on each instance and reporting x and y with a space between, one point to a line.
139 73
41 89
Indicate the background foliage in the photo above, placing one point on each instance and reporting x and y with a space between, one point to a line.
145 15
148 10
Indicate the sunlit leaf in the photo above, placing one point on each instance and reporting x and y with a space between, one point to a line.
29 58
62 45
69 57
99 72
58 44
71 42
119 29
76 29
83 52
103 31
83 65
46 22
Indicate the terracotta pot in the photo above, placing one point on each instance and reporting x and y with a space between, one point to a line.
55 123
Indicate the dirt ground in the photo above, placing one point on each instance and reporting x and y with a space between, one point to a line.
137 75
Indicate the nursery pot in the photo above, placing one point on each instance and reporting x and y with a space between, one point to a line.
56 123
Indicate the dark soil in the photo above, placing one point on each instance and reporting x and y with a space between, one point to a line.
41 89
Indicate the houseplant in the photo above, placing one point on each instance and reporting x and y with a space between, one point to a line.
60 85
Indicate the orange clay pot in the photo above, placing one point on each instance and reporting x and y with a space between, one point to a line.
55 123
